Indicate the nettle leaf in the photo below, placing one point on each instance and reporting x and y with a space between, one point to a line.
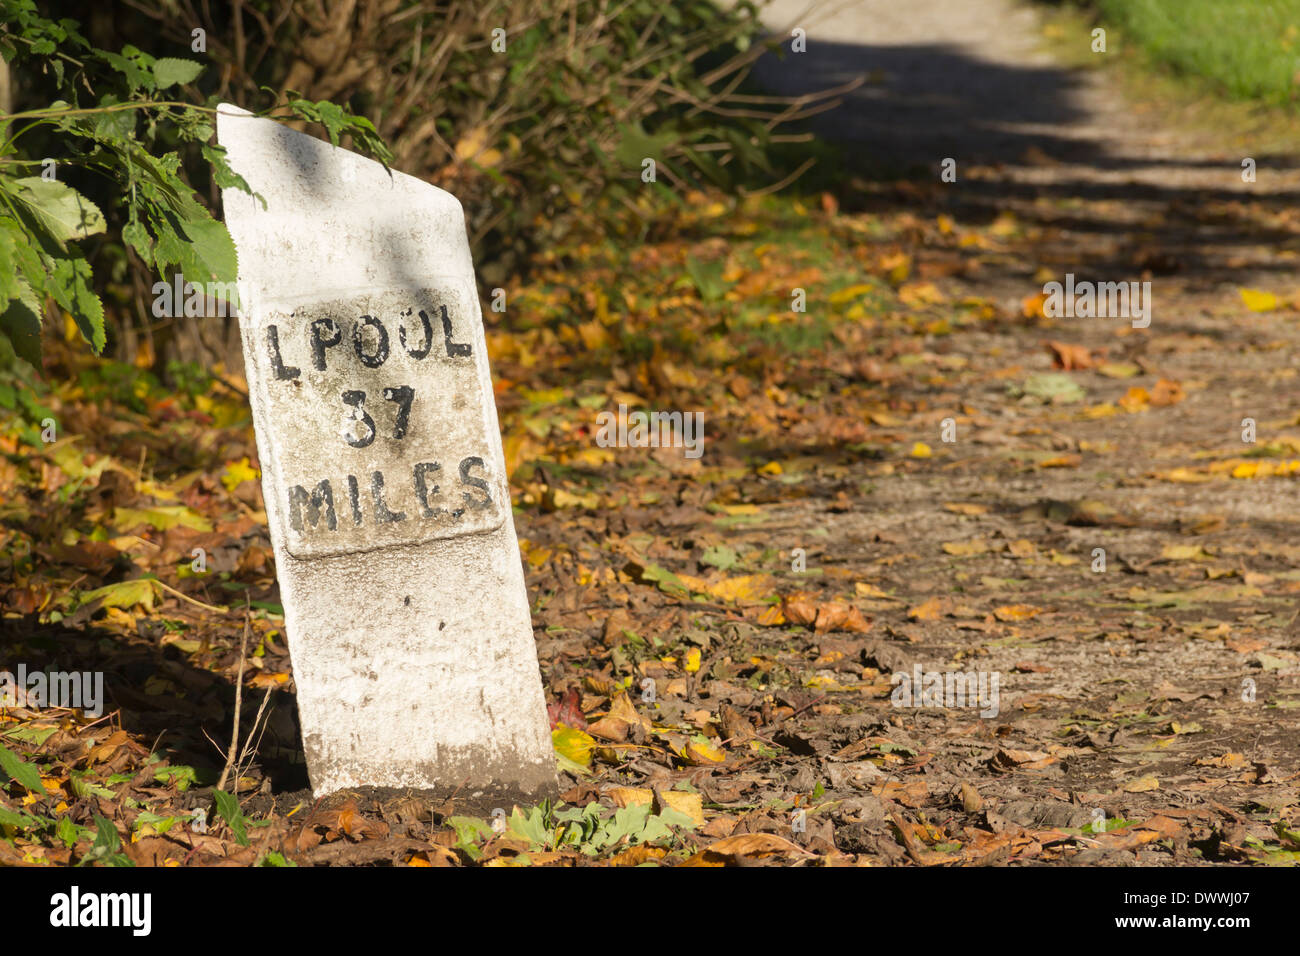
20 322
20 771
228 810
223 175
108 127
170 71
23 821
59 211
72 289
20 306
107 846
333 118
213 249
138 75
337 120
29 260
9 282
136 236
636 144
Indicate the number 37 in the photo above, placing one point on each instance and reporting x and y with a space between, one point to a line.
359 428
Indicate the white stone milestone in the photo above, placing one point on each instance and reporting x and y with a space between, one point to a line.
382 469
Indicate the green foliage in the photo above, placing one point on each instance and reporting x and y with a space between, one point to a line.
107 848
591 830
20 771
549 130
228 810
1248 50
274 859
109 123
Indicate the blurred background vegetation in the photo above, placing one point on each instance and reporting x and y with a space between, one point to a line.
550 133
1245 50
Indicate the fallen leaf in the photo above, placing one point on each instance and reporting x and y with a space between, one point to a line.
1016 612
1258 301
1065 356
930 610
730 851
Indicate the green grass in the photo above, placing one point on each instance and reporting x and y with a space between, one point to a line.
1250 49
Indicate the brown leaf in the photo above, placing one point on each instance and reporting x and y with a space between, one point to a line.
836 616
567 710
930 610
1167 392
1006 759
799 609
1068 357
738 850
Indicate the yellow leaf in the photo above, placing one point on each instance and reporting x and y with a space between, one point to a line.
471 147
1005 224
966 549
1184 476
593 335
966 508
849 294
572 743
1258 301
698 754
824 683
917 294
1061 461
1022 548
1135 399
556 498
692 662
630 796
691 804
771 468
929 610
748 588
1118 369
1016 612
703 754
921 450
1184 552
1104 410
863 589
162 517
238 472
896 266
1032 307
125 594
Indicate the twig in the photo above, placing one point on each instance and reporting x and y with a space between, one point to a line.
239 696
185 597
240 766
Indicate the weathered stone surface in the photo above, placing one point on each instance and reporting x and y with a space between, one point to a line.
383 473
